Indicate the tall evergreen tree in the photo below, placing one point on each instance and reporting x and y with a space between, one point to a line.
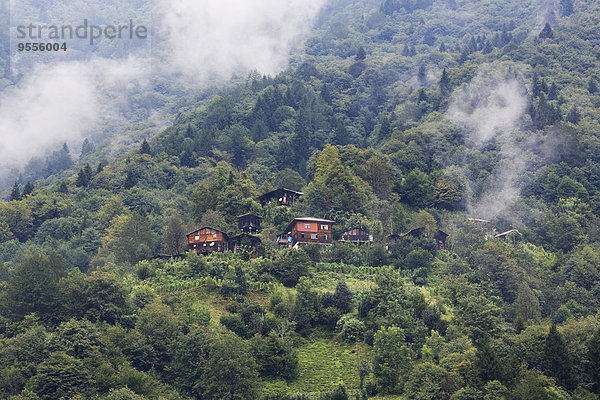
593 359
547 32
145 148
557 362
15 193
27 189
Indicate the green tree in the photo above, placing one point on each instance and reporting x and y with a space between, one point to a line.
33 288
174 238
425 382
342 297
593 361
129 238
145 148
61 376
15 193
291 264
392 358
230 371
557 361
275 357
100 296
547 32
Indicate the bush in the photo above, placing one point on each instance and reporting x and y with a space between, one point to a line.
350 328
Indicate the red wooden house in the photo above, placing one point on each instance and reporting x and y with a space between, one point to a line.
307 230
206 240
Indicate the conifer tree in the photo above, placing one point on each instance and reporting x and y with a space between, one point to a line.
547 32
593 358
15 193
145 148
557 362
27 189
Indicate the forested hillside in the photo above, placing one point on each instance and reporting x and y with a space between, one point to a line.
474 118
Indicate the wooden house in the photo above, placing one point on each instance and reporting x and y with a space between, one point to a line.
283 197
207 239
249 223
439 236
356 235
307 230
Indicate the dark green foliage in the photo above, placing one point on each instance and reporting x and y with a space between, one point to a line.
33 288
15 193
27 189
547 32
487 363
145 147
61 376
291 264
229 370
342 297
557 361
593 361
275 357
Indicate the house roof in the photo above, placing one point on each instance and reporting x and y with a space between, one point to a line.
507 233
247 214
478 220
274 192
206 227
308 219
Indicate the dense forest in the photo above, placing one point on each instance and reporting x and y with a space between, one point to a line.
471 117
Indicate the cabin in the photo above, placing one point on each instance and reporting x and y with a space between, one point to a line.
439 236
207 240
283 197
243 242
356 235
307 230
249 223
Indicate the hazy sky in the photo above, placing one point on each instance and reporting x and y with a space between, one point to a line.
195 41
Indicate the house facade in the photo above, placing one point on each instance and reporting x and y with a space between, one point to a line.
307 230
356 235
207 240
249 223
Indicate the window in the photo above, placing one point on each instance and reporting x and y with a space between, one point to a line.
324 227
307 226
325 237
302 235
214 235
314 236
197 237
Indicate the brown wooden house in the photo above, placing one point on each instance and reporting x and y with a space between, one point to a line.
283 197
207 240
439 236
249 223
307 230
356 235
